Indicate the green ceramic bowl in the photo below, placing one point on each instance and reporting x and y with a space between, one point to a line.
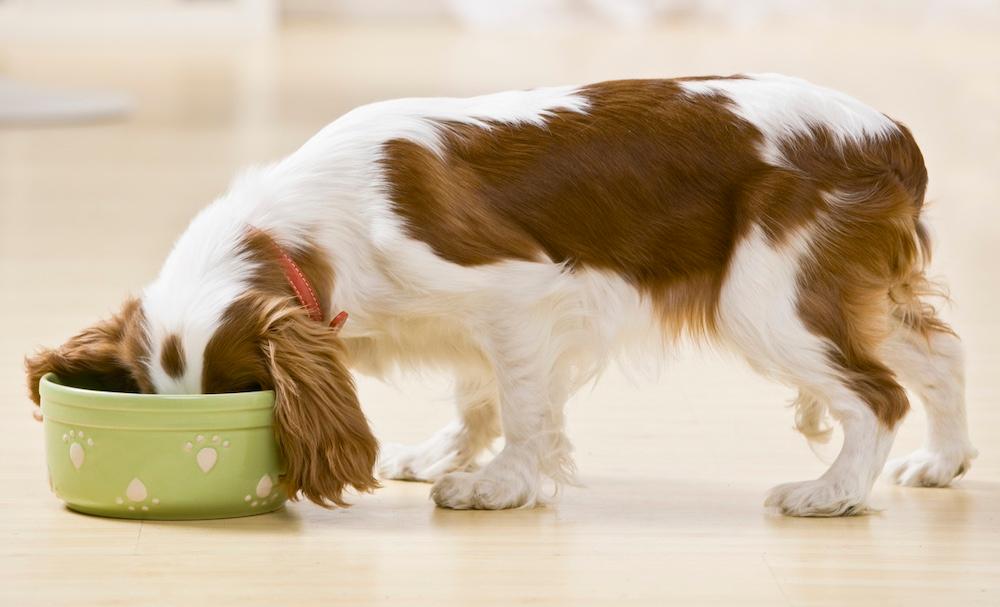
158 456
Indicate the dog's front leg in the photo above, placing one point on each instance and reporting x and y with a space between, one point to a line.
532 386
454 447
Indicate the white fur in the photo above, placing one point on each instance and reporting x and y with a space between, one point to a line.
520 336
934 370
780 107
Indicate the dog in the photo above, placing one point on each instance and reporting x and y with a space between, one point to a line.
519 241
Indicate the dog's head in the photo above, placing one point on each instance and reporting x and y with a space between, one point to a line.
259 338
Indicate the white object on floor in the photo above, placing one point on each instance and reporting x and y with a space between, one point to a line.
22 103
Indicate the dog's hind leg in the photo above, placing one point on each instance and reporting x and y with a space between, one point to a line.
454 447
844 488
927 356
768 312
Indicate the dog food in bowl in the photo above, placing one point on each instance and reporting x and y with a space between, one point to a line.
161 456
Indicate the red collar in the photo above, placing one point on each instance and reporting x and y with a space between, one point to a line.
302 287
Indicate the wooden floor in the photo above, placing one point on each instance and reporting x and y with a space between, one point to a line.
675 467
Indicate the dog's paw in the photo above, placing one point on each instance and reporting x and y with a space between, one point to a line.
479 491
925 468
820 497
425 462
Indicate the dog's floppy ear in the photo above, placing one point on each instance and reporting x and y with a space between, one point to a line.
106 356
321 430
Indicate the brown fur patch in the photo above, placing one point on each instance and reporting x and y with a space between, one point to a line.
172 356
659 187
269 342
866 255
648 184
110 355
323 435
233 361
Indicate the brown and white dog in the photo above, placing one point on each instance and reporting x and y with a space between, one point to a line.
519 240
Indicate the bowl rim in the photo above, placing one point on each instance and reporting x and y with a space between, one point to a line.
83 397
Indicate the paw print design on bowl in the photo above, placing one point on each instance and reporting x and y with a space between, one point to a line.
206 451
77 451
137 496
264 493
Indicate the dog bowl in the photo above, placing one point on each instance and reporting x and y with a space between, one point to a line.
159 456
